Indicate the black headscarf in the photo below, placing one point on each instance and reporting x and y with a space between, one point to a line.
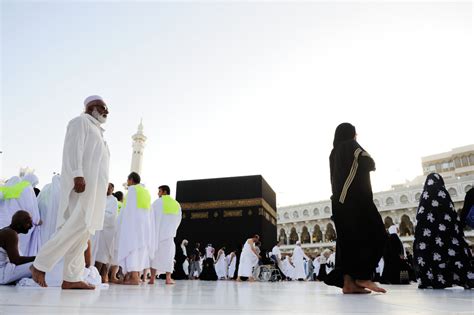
468 203
344 132
342 156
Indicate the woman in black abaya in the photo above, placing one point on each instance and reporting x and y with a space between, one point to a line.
360 230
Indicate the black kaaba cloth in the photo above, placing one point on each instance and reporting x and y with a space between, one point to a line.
227 211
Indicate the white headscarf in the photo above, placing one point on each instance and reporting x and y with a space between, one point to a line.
393 229
184 243
32 179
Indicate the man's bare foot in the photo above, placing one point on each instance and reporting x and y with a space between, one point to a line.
251 279
132 282
115 281
80 285
370 285
38 276
171 281
152 281
105 278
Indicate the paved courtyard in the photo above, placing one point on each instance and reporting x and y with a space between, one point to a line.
229 297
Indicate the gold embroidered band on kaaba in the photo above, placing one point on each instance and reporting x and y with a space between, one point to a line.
226 204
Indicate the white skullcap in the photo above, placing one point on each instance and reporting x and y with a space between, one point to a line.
393 229
298 243
92 98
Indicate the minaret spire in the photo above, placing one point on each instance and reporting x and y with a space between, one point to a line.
139 140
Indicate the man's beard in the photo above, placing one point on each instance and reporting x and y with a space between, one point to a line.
21 229
102 119
24 230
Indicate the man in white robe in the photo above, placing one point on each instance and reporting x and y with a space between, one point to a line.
114 268
195 264
14 266
48 204
331 262
18 194
288 268
84 180
135 231
276 256
185 266
316 266
248 259
104 240
298 258
167 218
276 252
221 264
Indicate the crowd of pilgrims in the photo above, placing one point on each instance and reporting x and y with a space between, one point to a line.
441 257
137 235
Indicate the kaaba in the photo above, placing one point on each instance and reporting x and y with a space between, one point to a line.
227 211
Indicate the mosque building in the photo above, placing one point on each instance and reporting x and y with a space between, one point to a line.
311 222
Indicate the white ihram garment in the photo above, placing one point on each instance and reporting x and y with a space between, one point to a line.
135 235
331 262
166 226
298 261
288 270
10 272
248 260
232 261
221 265
28 243
85 154
316 265
104 240
48 204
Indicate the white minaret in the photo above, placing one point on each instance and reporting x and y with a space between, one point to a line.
138 145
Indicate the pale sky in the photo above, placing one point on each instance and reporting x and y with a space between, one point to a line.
231 89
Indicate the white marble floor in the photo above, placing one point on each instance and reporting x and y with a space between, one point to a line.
229 297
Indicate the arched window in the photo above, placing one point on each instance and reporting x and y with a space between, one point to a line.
327 210
293 236
330 234
389 201
388 222
404 199
467 188
295 215
286 215
282 237
453 192
306 213
457 162
406 226
377 202
316 211
418 196
305 237
317 234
